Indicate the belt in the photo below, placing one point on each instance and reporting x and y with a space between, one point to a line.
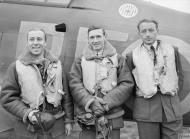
47 107
56 111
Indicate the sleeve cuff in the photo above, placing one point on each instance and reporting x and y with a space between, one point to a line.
108 104
87 106
25 117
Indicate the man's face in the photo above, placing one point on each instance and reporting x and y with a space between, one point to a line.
36 42
148 32
96 39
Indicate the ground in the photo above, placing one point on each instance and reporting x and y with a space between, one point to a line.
128 132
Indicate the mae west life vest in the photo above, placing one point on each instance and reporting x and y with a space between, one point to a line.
148 76
32 88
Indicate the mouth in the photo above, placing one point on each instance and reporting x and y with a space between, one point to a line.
36 47
148 39
96 44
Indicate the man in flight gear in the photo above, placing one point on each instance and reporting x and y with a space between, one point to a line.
156 67
35 90
100 81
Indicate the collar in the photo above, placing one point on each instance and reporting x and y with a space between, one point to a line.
155 45
108 51
100 53
27 58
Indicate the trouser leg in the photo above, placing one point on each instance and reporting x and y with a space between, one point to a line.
115 134
87 134
21 131
148 130
170 130
91 134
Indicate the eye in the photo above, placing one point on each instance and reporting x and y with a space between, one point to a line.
98 37
151 30
91 37
31 39
39 39
143 31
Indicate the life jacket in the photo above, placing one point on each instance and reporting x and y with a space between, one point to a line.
149 76
103 72
33 90
100 70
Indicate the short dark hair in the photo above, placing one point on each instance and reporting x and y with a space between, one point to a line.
95 28
37 29
147 21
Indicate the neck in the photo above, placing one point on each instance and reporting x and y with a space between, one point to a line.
40 56
99 51
145 44
148 45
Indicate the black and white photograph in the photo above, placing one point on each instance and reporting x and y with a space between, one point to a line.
94 69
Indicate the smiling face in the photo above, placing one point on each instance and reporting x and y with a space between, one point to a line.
96 39
148 32
36 42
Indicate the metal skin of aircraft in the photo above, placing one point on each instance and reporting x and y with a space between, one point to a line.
118 17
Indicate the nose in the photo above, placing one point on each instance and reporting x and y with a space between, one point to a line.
147 33
35 41
95 39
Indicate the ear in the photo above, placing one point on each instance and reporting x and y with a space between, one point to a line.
139 32
88 39
157 30
45 43
105 36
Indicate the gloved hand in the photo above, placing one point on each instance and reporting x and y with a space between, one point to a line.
104 104
31 116
97 108
45 120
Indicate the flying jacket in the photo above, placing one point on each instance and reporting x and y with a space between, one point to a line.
11 92
114 97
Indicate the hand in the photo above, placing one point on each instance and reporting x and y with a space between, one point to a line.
31 116
104 104
68 128
101 101
97 108
45 120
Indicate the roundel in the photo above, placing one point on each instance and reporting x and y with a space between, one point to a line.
184 51
128 10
